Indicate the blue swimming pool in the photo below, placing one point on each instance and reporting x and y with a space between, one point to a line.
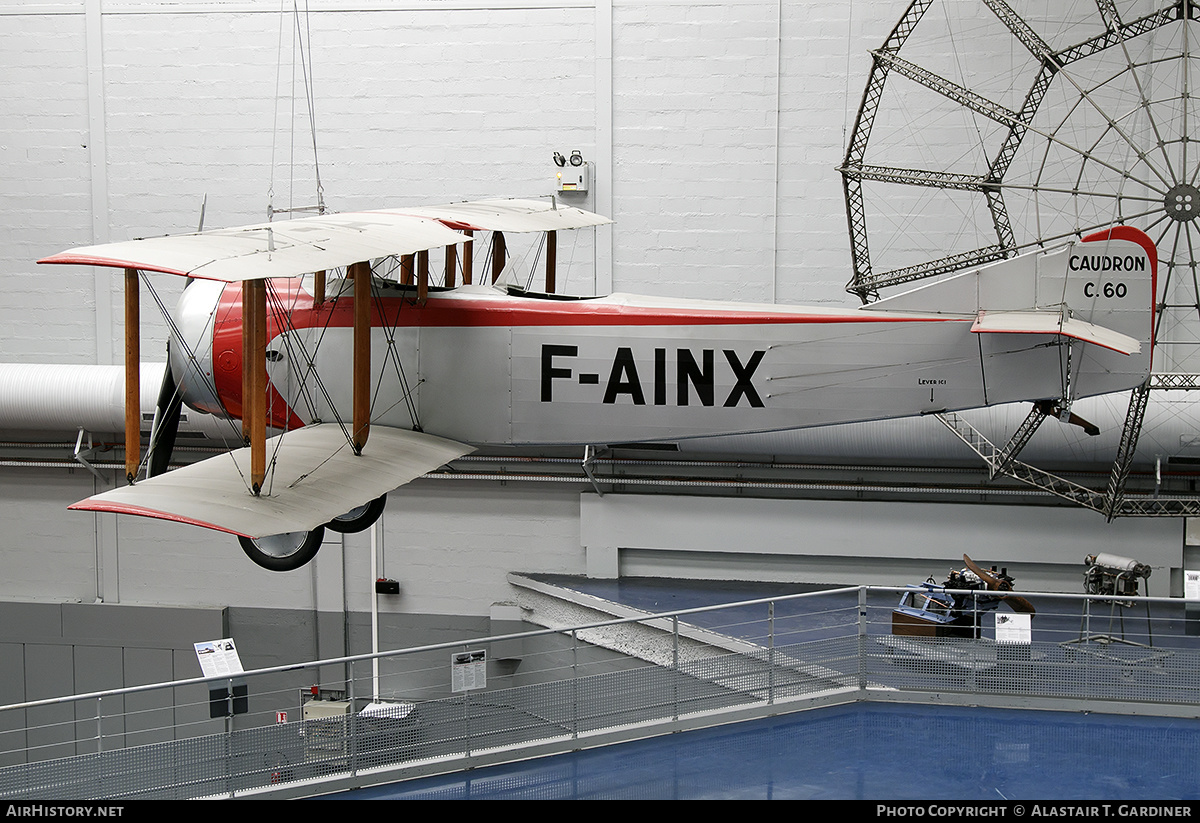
862 751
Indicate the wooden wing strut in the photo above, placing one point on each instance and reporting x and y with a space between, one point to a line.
468 264
254 378
133 376
361 274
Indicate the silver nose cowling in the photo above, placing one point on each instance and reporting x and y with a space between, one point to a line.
191 348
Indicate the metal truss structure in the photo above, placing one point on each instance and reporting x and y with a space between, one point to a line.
993 127
1112 502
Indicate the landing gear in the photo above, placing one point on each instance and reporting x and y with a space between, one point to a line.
291 550
283 552
359 518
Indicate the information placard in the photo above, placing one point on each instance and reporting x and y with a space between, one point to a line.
468 670
218 657
1013 628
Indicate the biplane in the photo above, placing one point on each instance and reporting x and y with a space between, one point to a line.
367 381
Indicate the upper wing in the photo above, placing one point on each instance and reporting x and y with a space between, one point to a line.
284 249
294 247
316 478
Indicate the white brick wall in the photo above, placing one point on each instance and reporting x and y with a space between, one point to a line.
44 188
422 102
693 148
431 103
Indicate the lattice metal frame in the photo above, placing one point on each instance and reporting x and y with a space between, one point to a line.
866 281
1163 168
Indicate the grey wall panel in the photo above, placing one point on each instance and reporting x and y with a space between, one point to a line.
191 702
853 542
30 622
50 672
141 626
12 690
99 668
149 716
76 649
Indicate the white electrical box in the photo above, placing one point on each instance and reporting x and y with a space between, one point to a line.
573 178
325 709
325 729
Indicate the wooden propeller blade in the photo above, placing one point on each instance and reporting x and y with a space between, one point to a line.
994 583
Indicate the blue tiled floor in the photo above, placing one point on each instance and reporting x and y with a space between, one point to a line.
863 751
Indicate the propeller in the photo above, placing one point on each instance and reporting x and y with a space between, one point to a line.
163 430
169 406
998 583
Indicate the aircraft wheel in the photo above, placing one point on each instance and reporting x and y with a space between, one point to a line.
359 518
283 552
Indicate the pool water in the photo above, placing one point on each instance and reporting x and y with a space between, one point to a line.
861 752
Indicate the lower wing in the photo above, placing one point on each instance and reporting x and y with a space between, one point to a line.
316 477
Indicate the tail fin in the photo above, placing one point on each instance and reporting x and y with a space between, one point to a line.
1116 273
1090 301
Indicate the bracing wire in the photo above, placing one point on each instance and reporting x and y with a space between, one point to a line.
301 61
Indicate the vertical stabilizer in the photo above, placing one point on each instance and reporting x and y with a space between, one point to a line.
1072 321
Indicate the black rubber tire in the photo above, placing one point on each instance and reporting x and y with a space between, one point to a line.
284 552
359 519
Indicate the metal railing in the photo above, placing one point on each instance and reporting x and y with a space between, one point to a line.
394 715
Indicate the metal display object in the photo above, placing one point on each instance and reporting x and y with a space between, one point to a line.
1111 575
953 608
990 128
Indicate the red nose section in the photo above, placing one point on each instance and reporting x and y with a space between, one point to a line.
290 304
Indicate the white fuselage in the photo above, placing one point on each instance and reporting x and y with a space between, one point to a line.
480 366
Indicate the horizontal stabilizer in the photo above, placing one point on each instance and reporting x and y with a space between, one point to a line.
1099 290
1052 322
313 477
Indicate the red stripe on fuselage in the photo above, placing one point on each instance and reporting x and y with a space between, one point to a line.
227 348
289 306
447 311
